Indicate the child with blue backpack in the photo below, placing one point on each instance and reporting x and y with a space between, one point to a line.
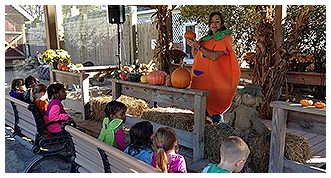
112 131
140 145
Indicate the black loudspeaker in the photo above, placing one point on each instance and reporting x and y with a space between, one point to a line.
116 14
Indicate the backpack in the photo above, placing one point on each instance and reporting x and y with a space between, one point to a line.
108 130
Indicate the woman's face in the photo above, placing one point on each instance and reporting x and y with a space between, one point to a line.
215 23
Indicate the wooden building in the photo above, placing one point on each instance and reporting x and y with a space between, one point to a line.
15 18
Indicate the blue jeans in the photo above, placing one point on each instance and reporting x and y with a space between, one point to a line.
217 118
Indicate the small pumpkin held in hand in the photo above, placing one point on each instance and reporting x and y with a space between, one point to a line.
320 105
189 35
306 102
156 77
181 77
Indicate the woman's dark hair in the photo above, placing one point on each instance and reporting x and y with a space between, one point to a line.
140 135
15 83
113 107
54 89
219 13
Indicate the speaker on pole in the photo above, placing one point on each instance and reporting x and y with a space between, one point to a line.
116 14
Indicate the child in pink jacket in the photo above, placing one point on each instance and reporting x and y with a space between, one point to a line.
55 111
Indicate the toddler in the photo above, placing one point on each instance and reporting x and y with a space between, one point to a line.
17 89
233 152
41 98
140 138
31 86
166 159
112 131
54 112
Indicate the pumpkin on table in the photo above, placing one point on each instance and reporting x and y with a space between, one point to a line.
306 102
320 105
181 77
156 77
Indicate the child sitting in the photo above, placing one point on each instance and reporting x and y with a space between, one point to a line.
166 159
31 86
233 152
112 131
41 98
17 89
54 112
140 137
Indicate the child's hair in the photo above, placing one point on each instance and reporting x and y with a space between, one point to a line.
15 83
140 135
163 140
113 107
53 90
233 149
41 88
29 81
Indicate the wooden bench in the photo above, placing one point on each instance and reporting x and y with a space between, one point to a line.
90 155
27 121
292 115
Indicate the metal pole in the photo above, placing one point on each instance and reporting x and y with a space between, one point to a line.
119 46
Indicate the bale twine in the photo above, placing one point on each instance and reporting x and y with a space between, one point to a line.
135 107
296 149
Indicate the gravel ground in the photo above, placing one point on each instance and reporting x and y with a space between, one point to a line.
17 153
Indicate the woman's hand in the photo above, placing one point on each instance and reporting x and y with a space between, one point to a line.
193 43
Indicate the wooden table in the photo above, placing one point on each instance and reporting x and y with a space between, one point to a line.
169 96
308 119
81 79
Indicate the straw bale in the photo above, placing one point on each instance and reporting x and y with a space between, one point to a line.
135 107
172 117
296 149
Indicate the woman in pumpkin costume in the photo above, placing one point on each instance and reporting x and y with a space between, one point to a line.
215 68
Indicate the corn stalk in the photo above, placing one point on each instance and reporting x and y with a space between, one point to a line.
163 44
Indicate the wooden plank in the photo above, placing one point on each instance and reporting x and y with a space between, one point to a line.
306 78
116 90
111 151
163 98
277 143
298 108
294 167
66 77
199 127
309 123
322 153
16 101
84 84
185 138
87 164
51 27
318 147
163 88
316 140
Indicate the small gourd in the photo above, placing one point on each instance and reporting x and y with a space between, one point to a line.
320 105
306 102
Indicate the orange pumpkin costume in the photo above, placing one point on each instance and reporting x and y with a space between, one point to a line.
219 77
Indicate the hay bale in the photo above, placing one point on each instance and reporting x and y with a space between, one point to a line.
172 117
296 149
135 106
214 137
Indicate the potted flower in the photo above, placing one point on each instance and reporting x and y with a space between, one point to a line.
301 61
56 56
176 55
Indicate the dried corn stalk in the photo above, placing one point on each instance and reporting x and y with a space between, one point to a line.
163 43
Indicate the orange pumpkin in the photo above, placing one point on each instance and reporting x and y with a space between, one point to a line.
181 77
306 102
189 35
156 77
320 105
59 66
